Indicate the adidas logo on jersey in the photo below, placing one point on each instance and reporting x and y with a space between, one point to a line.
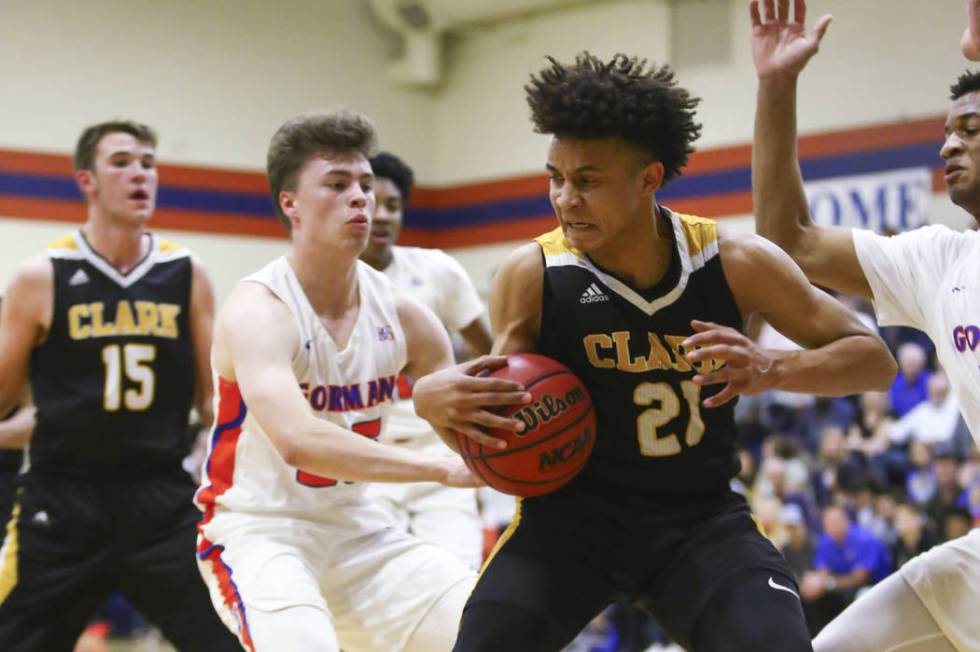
78 278
593 294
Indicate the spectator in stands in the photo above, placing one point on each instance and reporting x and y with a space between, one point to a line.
914 534
799 548
932 421
948 491
848 557
909 388
920 481
956 523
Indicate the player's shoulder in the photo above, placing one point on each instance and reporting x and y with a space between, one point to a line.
424 258
34 271
700 233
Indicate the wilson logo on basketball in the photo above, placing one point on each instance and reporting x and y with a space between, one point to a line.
548 408
564 453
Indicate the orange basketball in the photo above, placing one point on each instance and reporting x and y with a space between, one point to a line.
558 436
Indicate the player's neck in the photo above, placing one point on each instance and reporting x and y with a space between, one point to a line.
381 261
329 282
121 243
640 256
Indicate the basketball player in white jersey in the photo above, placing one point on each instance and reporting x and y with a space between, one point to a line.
306 354
444 515
928 278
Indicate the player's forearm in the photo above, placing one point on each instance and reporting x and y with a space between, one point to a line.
849 365
330 451
16 431
781 212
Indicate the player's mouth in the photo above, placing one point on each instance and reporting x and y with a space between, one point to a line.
951 171
380 235
578 227
139 195
360 221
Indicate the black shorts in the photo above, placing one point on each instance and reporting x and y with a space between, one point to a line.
74 541
569 554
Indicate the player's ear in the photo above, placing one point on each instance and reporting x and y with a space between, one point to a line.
652 177
85 180
290 207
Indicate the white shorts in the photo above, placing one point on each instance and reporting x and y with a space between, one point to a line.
445 516
374 584
947 580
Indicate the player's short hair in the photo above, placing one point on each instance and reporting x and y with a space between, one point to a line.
314 133
968 82
621 98
84 158
388 166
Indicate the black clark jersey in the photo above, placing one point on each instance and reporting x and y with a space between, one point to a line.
654 440
114 381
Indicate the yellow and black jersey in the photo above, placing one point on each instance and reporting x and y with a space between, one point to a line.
654 439
113 380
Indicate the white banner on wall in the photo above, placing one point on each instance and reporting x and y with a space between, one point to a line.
886 201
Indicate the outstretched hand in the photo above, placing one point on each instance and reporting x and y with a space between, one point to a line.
780 45
970 43
746 365
458 399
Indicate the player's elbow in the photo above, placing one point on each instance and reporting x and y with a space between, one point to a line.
288 443
881 365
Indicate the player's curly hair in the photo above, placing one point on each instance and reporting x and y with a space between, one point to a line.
388 166
968 82
621 98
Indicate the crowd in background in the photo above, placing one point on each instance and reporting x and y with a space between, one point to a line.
849 488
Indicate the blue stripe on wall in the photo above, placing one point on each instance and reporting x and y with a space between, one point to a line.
38 186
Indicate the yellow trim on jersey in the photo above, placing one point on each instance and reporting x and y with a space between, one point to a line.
700 231
554 243
167 246
64 242
8 557
508 533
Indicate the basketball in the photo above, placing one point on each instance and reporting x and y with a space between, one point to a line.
558 436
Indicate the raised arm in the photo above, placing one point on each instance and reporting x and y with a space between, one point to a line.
255 341
24 322
781 48
970 43
841 356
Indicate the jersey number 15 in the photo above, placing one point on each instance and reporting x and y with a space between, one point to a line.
132 361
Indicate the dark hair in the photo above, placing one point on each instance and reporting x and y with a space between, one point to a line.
968 82
388 166
621 98
309 134
89 140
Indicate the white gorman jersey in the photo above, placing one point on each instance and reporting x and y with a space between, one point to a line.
930 279
352 387
435 279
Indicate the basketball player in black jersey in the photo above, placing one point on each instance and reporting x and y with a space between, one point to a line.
646 306
111 326
15 432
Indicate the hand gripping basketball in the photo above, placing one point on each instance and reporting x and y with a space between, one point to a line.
558 435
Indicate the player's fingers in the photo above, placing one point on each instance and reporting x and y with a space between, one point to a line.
732 356
490 420
754 13
783 11
486 363
799 8
488 384
728 393
714 336
498 398
714 377
770 10
821 27
481 437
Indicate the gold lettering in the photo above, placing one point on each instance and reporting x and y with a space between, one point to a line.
680 362
168 320
624 362
125 324
592 345
99 327
658 358
148 317
76 329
